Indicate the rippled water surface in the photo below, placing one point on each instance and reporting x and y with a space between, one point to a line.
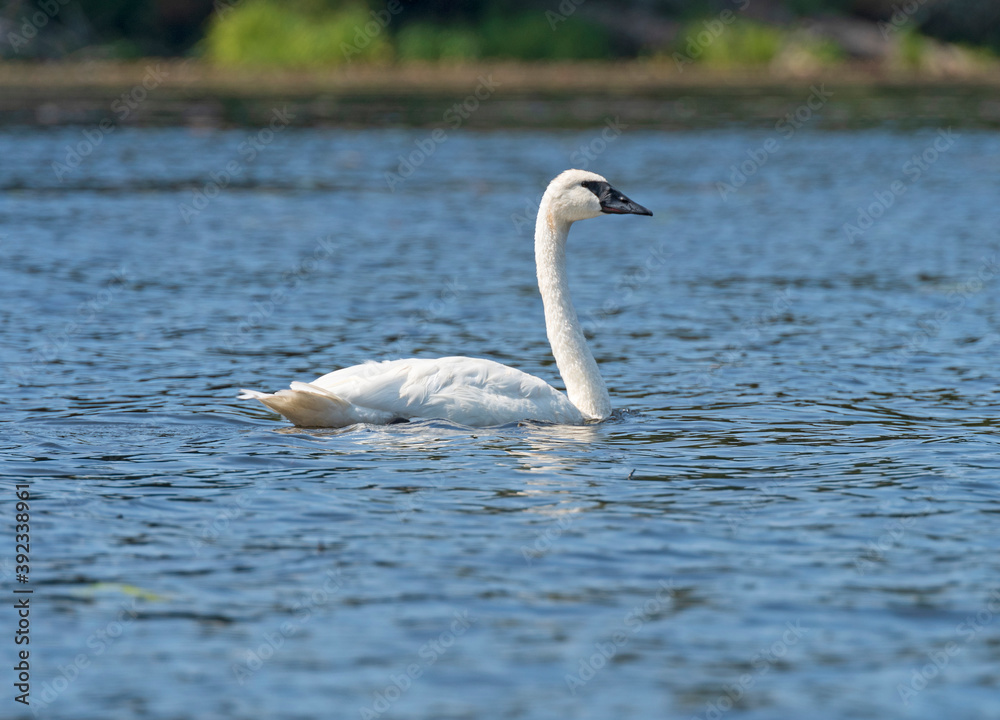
793 513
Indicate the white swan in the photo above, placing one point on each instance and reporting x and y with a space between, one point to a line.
473 391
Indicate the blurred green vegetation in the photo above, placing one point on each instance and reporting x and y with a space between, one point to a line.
298 33
739 43
917 52
912 48
536 36
522 37
426 41
744 43
274 33
267 33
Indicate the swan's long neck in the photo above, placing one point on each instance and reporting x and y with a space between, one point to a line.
584 384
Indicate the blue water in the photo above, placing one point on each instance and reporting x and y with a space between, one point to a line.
793 513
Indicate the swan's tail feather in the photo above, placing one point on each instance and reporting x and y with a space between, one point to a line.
307 405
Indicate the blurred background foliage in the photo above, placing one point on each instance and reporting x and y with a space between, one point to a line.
794 34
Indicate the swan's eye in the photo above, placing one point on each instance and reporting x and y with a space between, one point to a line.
600 189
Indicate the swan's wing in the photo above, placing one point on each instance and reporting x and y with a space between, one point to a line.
470 391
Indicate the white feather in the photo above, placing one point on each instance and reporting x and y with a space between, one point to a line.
474 391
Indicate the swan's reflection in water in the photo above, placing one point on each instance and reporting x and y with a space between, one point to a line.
541 447
544 462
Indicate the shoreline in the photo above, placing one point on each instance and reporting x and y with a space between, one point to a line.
156 92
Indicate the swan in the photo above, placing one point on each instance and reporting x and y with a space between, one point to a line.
474 391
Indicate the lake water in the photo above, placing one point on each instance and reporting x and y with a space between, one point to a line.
793 513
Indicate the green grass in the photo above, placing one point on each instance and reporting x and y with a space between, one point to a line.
744 43
526 36
269 33
425 41
530 36
912 48
918 52
303 34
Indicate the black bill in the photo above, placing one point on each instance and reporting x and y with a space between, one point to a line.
612 201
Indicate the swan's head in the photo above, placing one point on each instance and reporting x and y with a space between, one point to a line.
578 195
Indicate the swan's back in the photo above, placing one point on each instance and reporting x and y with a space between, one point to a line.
469 391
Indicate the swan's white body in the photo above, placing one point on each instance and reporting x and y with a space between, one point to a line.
474 391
